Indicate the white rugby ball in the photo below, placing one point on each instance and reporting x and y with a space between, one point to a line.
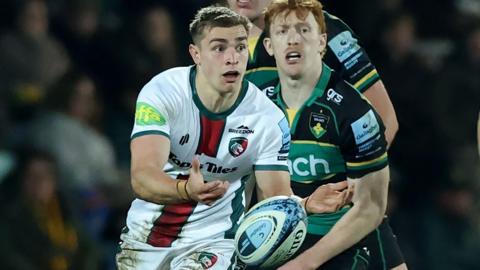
271 232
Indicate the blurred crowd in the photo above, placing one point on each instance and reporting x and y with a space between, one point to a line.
70 72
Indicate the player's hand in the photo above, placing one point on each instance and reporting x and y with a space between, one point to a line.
329 198
200 191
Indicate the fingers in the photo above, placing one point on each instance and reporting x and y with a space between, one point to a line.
339 186
215 193
195 165
209 192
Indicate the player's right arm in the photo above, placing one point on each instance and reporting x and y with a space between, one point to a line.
151 183
156 110
347 56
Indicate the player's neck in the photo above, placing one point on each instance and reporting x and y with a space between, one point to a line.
297 90
214 100
256 28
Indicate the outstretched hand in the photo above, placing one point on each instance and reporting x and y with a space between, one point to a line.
329 198
204 192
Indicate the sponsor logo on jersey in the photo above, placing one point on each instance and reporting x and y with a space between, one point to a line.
365 128
269 91
334 96
318 123
208 166
344 45
184 139
307 166
237 146
283 124
146 115
207 259
241 130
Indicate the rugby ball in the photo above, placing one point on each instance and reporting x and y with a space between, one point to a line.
271 232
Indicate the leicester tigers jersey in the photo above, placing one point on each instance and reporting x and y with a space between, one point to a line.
335 134
252 135
344 54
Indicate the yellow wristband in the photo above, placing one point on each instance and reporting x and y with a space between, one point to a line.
182 190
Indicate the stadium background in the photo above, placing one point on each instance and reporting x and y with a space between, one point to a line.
70 71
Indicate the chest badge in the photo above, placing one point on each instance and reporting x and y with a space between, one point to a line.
237 146
318 124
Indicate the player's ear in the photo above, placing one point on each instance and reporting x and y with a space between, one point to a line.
194 53
267 43
322 42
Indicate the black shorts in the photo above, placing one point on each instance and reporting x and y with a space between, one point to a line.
377 251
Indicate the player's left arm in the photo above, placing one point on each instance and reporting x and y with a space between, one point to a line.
369 205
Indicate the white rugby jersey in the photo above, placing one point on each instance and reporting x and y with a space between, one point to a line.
252 135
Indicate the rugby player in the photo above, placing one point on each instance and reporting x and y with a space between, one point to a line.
336 135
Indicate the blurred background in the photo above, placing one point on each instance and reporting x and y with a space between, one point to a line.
70 72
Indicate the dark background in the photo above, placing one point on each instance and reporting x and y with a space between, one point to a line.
70 72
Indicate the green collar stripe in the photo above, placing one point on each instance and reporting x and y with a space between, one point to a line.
203 109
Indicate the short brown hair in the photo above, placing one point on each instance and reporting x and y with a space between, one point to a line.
215 16
301 8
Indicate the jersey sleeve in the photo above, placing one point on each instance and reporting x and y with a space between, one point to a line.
275 144
153 110
362 139
346 55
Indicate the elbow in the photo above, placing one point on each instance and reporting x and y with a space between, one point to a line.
137 187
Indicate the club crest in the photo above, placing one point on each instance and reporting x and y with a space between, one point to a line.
318 124
237 146
207 259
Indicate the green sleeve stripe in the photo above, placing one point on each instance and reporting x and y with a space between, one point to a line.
270 168
367 80
150 132
368 164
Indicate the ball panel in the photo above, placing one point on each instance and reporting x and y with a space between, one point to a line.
271 232
288 247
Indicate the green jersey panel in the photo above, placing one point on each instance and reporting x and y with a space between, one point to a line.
336 134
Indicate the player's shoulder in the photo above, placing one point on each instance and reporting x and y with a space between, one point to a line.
339 93
171 81
335 25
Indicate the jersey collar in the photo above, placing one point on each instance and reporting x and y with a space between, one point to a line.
203 109
317 92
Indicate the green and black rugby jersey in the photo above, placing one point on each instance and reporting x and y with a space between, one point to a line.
334 135
344 54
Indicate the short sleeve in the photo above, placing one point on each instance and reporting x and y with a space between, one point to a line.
347 57
362 139
152 111
274 148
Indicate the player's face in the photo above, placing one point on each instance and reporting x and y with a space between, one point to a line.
222 57
252 9
296 44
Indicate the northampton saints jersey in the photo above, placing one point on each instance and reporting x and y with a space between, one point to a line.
335 134
252 135
344 54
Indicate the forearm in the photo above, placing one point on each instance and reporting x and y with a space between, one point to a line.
153 185
369 206
349 230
